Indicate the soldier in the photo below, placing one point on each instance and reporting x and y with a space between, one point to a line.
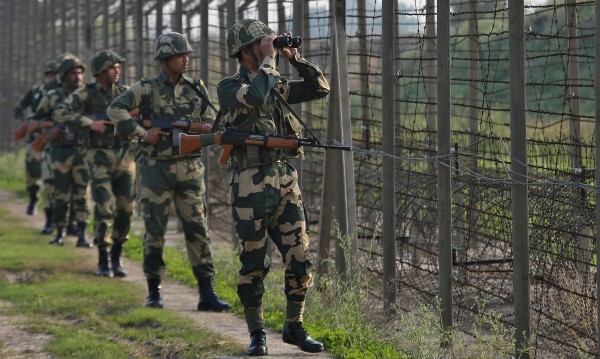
110 158
166 176
69 170
266 197
33 159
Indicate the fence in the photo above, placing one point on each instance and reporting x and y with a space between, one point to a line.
474 164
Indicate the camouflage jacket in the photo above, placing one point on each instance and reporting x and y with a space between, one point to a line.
85 105
249 105
156 98
48 103
32 98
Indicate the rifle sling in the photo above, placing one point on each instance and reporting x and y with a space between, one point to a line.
289 108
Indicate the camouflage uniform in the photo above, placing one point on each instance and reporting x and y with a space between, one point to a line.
33 159
266 196
70 172
110 158
166 176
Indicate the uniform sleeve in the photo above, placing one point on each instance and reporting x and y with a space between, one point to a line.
43 110
70 111
23 103
208 114
313 85
233 94
118 110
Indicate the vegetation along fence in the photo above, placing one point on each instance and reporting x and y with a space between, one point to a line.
474 167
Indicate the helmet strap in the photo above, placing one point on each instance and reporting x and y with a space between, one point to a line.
105 79
253 55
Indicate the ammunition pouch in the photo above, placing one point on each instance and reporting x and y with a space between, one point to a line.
254 156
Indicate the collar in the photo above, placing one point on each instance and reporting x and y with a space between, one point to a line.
101 89
162 78
245 73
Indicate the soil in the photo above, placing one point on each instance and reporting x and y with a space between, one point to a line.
17 343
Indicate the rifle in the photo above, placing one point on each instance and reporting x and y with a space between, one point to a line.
50 132
228 139
182 124
21 131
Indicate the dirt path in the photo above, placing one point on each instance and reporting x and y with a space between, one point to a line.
180 298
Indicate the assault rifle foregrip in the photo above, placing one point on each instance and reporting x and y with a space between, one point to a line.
192 126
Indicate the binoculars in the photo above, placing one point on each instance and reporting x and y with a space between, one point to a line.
282 41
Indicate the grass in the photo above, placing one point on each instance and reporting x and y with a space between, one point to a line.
13 171
86 314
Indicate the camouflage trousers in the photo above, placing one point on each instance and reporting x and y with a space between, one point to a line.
71 179
179 181
112 178
267 200
33 167
47 177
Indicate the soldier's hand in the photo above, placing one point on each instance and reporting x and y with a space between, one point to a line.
99 126
288 52
266 47
135 112
32 125
153 135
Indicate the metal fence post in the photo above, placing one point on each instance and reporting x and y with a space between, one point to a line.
597 161
345 187
444 169
177 17
231 18
204 49
327 193
139 44
518 146
89 27
298 27
123 39
389 164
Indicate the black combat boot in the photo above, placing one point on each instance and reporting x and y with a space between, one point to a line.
57 241
33 199
71 229
258 344
154 299
81 242
49 226
295 334
71 224
208 298
103 269
115 259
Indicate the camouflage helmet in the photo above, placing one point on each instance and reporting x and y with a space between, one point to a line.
104 59
50 67
171 43
244 33
67 62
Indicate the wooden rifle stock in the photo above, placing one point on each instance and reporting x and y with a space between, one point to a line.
194 143
21 131
39 141
50 133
